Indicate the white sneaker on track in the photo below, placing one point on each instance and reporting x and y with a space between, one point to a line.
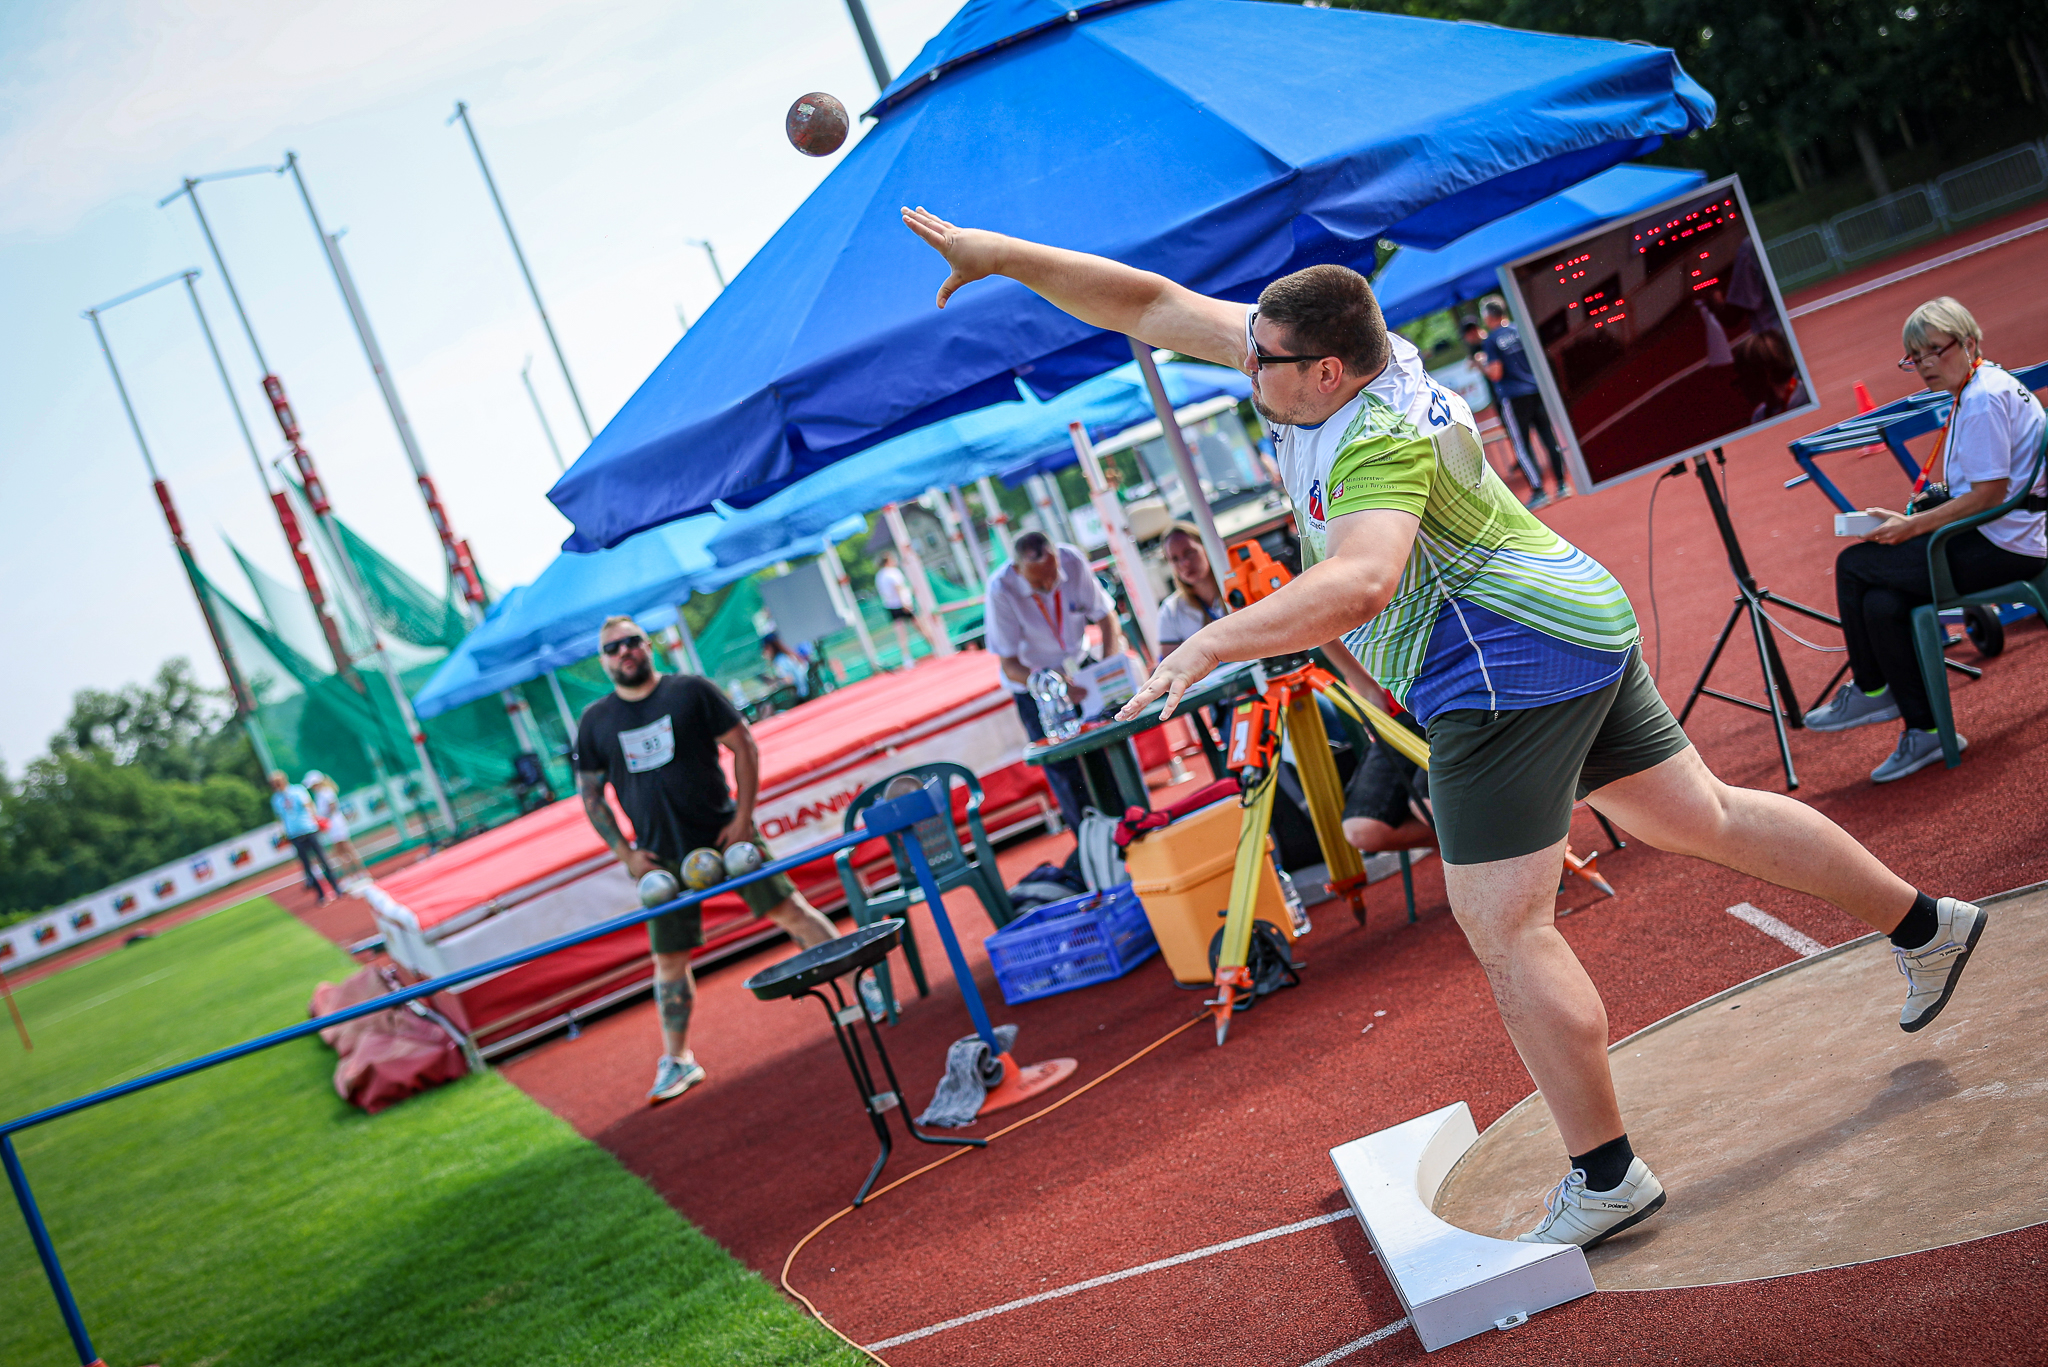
1578 1216
1932 970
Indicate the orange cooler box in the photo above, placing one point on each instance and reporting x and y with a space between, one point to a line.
1181 874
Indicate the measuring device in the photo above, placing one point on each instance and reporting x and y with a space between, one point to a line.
1287 708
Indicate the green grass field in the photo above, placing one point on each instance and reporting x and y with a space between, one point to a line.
248 1216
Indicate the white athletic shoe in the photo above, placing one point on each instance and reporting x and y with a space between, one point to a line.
1582 1217
673 1078
1932 970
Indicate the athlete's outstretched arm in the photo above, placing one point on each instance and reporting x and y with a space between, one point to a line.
1353 584
1094 289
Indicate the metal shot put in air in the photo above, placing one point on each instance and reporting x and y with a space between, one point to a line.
1516 649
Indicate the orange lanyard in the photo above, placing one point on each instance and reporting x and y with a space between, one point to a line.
1941 442
1057 619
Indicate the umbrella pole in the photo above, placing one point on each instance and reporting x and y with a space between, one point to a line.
956 538
562 706
688 658
998 520
973 542
1169 427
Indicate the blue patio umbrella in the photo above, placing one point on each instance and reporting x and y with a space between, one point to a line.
1220 142
1006 438
1419 281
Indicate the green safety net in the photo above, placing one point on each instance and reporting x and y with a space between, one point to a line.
310 717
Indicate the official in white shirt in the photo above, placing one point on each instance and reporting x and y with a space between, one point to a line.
1039 608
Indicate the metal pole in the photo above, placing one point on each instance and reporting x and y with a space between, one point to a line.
998 520
691 660
920 582
711 252
835 570
1177 444
1116 529
541 413
39 1235
238 688
1052 508
454 551
956 536
562 706
868 43
462 113
287 521
974 551
316 498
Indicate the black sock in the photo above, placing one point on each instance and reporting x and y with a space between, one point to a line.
1920 924
1606 1166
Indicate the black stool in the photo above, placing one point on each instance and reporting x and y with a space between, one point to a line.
823 965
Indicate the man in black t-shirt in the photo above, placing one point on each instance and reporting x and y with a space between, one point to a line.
655 740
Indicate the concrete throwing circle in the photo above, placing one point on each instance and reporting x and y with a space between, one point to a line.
1796 1127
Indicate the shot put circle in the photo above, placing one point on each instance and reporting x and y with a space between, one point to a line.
703 868
816 124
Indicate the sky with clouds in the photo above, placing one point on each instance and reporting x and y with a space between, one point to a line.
616 132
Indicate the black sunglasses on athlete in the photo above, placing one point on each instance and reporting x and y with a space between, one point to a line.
623 643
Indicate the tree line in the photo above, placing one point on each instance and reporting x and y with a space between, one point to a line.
135 778
1821 88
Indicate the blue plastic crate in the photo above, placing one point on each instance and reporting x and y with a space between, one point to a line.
1073 943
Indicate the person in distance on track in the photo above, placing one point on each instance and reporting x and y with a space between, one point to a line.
1518 651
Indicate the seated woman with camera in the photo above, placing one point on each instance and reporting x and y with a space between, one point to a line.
1993 438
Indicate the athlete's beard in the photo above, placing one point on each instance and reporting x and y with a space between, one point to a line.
633 672
1274 415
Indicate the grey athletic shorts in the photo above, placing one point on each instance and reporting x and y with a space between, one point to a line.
1503 783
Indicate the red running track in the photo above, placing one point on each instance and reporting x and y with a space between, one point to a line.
1197 1145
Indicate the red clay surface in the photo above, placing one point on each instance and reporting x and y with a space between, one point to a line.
1196 1145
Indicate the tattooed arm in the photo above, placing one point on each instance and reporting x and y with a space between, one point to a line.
590 787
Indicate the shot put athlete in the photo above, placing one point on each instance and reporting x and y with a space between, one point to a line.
655 739
1517 650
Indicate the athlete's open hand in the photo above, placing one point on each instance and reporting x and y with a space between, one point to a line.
1175 675
972 253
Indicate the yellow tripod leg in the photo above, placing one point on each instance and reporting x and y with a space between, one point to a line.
1231 974
1325 796
1406 743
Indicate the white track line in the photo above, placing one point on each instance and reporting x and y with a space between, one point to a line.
1211 1251
1799 942
1909 272
1339 1354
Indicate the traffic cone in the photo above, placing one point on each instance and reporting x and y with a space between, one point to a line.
1864 403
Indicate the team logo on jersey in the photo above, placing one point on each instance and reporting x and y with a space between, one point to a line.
1315 501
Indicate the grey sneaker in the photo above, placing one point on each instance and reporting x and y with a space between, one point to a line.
1852 707
1931 970
672 1079
1916 750
1578 1216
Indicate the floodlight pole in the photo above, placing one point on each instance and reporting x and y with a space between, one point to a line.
1177 444
998 520
454 550
974 551
238 688
920 581
546 428
952 520
1116 529
323 512
462 113
869 44
712 252
848 605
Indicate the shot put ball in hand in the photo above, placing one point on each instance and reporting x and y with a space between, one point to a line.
703 869
816 124
658 886
742 857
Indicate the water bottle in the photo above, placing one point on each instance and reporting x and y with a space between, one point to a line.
1057 715
1295 911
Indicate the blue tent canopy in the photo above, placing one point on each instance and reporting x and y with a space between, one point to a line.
1002 439
1220 142
554 621
1419 281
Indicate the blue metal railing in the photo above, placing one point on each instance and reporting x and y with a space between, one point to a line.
883 818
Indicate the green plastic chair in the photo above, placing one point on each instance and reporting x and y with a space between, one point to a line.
952 865
1930 639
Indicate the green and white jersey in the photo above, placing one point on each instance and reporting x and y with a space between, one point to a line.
1494 610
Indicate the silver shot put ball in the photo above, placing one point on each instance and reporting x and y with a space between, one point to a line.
658 886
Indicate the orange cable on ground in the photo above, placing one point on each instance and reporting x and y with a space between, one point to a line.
829 1221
